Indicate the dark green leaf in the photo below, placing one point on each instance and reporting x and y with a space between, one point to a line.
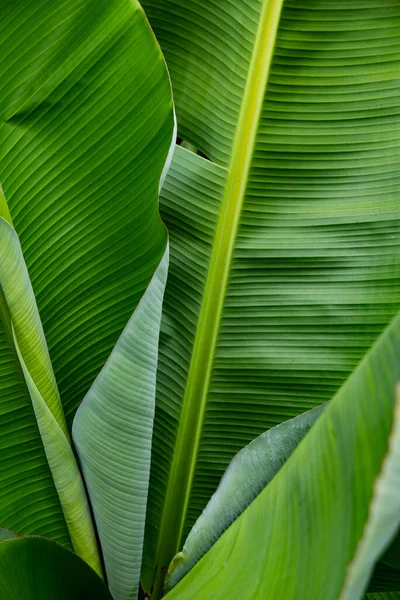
37 569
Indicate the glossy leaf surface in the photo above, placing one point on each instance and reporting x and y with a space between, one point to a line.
37 569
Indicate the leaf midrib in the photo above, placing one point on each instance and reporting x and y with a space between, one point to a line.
198 381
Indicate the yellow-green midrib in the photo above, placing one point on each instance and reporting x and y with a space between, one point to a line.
195 397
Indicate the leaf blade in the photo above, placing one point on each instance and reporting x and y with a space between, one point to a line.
26 323
315 269
112 432
246 476
37 569
66 475
86 122
76 153
302 508
27 336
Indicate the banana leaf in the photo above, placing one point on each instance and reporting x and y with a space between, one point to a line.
86 126
33 568
247 475
317 530
285 257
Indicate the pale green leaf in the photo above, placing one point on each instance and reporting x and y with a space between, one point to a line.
66 475
28 499
246 476
26 323
112 432
6 535
27 337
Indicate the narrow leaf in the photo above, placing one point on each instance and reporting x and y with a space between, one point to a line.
28 330
29 502
66 475
112 432
30 344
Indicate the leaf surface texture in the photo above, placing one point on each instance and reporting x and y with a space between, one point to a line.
311 269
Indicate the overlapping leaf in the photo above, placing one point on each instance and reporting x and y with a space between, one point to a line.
26 335
112 432
246 476
318 528
86 123
291 269
34 568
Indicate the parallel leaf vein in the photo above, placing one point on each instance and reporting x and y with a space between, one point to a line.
195 398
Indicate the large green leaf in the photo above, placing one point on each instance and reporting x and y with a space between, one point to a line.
112 432
86 123
318 528
285 258
37 569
